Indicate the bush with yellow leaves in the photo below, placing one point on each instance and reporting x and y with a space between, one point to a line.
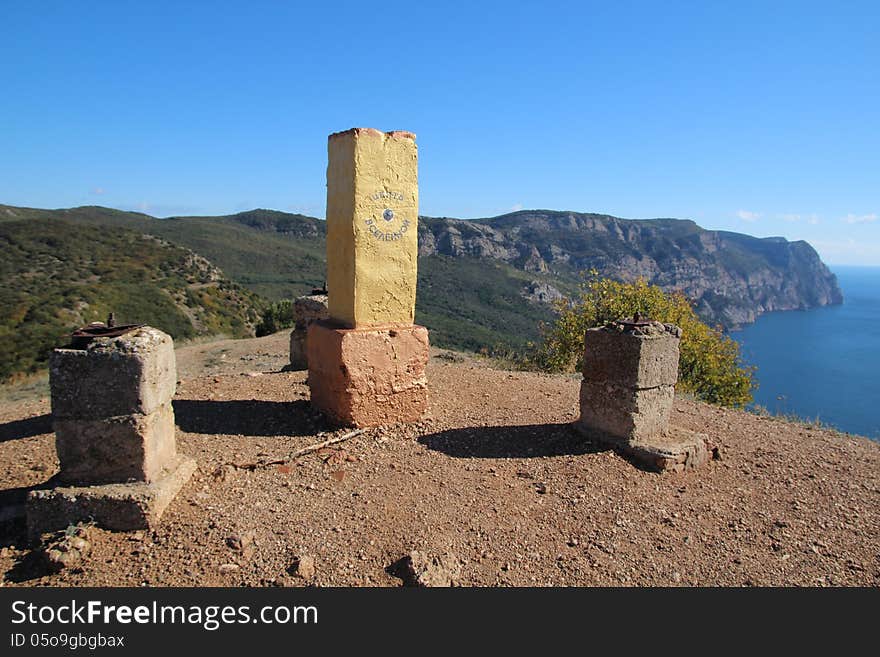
710 366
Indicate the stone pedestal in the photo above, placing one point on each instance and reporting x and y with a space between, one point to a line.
367 362
625 413
306 309
675 450
630 371
114 434
368 376
132 447
117 507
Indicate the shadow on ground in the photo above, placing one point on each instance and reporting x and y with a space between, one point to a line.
529 441
399 570
13 533
32 426
31 564
12 508
248 417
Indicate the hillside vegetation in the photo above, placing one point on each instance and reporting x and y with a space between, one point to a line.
476 305
56 275
484 284
274 254
467 303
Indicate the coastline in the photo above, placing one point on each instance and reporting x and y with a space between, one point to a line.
816 364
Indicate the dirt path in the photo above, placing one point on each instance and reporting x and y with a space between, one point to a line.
495 477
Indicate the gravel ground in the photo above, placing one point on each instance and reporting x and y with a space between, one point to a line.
494 479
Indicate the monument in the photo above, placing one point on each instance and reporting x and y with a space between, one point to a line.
111 394
630 371
367 361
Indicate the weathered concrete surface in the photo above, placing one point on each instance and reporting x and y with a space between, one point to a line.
119 507
372 227
630 359
311 307
134 373
630 371
117 449
299 357
368 376
114 434
627 413
675 451
306 309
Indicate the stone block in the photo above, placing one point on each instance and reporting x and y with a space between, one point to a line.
309 308
306 309
372 227
117 449
369 376
625 413
298 355
629 359
676 450
119 507
133 373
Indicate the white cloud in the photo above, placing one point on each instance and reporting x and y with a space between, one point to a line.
98 191
516 207
793 218
860 218
748 216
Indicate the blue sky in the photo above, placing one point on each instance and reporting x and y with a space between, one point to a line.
760 117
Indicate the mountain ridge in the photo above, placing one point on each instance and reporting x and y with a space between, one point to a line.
488 283
731 278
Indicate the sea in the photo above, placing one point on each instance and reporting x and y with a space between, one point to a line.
822 363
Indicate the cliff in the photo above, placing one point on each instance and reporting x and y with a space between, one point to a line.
731 278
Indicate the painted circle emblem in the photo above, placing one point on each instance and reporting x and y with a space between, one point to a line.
388 215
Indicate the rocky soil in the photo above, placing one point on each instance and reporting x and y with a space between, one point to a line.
493 489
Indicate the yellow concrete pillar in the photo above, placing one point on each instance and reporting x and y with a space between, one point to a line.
372 227
367 362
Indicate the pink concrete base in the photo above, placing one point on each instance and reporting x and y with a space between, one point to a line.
366 377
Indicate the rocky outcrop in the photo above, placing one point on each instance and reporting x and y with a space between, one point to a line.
729 277
541 292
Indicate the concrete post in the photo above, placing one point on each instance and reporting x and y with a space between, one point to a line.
114 434
367 361
306 309
627 393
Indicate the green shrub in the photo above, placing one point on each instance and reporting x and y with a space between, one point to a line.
710 366
277 316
